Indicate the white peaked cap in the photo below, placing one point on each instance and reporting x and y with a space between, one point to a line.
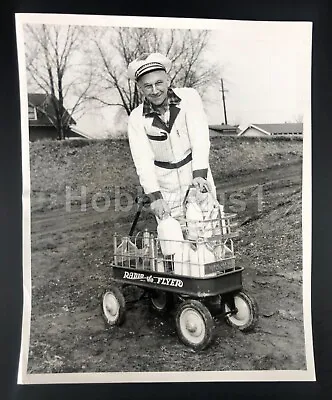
148 63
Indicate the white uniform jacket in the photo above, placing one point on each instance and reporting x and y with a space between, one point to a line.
167 157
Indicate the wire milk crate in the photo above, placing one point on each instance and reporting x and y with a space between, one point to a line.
209 252
197 270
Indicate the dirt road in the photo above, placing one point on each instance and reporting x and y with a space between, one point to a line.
70 257
61 219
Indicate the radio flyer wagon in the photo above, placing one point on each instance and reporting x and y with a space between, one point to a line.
202 274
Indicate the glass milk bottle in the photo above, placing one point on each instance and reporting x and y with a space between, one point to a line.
171 240
194 217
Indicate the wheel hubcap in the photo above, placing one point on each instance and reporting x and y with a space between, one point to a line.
159 301
111 306
192 326
242 316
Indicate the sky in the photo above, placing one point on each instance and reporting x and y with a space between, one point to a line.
266 68
266 72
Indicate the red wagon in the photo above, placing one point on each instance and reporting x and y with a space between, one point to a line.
204 272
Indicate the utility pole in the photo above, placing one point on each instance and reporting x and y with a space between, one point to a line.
223 99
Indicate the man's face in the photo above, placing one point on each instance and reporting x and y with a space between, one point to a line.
154 86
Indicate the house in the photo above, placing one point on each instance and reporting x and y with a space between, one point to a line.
261 130
223 130
41 112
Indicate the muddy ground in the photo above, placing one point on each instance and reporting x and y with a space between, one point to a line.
71 252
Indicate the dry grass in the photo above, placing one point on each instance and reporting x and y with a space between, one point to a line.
99 166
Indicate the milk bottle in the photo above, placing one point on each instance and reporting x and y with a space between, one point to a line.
199 256
171 240
170 235
181 259
194 217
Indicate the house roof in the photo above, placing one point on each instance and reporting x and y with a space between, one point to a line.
37 99
282 128
221 128
273 129
80 133
45 109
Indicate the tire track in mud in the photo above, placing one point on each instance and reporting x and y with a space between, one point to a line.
57 221
264 177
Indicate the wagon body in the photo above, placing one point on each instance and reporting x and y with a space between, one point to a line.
229 281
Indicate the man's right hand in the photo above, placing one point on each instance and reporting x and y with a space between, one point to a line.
160 208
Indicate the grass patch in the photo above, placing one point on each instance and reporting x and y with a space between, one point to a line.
92 167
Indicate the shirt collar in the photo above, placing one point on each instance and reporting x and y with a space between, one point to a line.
149 109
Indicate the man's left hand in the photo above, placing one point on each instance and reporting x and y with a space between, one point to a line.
202 184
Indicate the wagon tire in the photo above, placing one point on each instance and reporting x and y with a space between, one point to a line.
246 316
194 324
113 306
161 302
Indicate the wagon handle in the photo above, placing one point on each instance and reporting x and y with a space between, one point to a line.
141 202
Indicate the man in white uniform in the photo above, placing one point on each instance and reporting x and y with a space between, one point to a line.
168 136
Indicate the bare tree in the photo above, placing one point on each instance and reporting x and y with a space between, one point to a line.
54 67
114 48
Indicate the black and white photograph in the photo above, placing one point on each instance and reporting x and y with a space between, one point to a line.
166 199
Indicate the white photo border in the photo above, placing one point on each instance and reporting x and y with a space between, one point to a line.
132 377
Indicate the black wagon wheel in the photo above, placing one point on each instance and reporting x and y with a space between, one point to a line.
246 312
160 301
113 306
194 324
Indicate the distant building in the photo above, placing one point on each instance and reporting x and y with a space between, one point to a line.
223 130
285 129
41 112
